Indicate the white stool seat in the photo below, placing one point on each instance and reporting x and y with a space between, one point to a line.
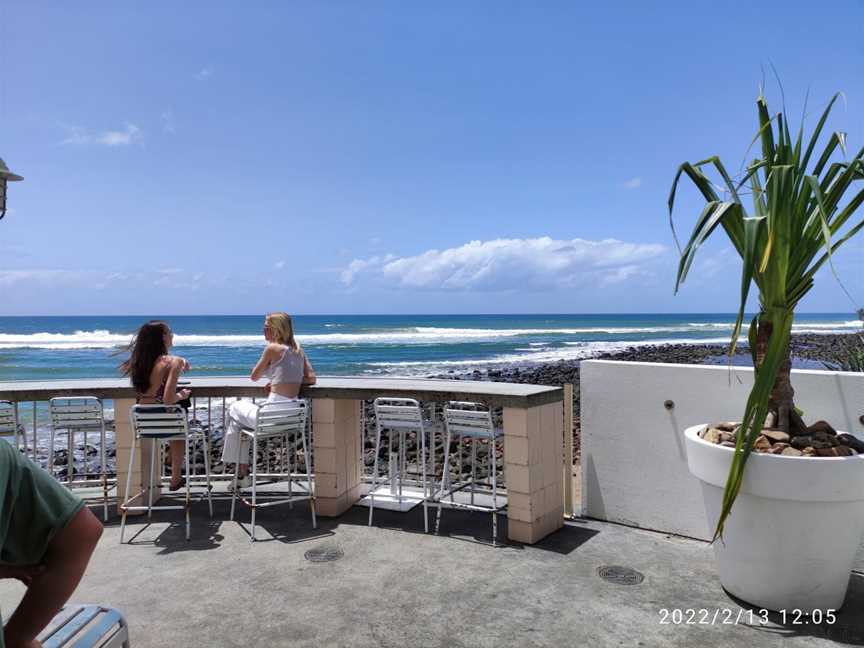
399 416
161 423
82 415
276 420
9 422
473 421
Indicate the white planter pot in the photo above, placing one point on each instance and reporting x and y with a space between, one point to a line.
791 538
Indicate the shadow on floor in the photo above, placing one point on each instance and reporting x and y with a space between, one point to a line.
280 524
848 629
291 525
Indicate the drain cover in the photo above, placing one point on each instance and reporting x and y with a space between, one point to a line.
620 575
324 554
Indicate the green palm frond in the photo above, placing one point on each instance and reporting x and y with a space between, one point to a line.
799 218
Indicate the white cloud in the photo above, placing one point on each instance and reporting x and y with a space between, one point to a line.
204 73
123 137
75 135
279 265
16 277
511 264
168 122
358 265
633 183
79 135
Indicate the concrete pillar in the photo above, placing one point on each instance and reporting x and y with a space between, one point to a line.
125 439
338 454
533 464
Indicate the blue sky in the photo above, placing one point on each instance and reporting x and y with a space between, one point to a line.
386 157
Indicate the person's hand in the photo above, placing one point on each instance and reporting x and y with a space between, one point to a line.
183 394
23 573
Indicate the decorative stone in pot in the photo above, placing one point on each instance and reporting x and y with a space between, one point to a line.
791 538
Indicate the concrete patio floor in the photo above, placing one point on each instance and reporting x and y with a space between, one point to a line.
396 586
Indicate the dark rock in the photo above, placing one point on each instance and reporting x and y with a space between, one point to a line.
820 440
822 426
852 442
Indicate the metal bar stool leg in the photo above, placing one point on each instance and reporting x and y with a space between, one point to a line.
103 473
445 478
188 461
51 436
374 472
205 439
402 458
236 472
70 457
423 473
493 466
289 450
254 466
36 441
128 487
157 448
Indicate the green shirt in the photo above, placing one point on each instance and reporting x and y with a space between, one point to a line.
33 509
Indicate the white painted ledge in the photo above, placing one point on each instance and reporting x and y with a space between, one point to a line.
634 466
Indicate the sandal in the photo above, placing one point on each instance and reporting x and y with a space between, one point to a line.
178 486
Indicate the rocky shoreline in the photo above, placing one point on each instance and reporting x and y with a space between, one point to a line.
817 351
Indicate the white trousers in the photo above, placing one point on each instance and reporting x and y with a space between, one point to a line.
243 413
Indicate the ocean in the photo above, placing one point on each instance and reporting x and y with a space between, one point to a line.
46 348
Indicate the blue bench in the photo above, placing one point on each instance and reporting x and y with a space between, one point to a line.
86 626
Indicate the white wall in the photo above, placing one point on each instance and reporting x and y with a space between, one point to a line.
634 466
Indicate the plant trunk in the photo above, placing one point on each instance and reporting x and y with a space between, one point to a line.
781 402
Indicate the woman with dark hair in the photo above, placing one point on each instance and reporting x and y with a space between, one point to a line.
154 376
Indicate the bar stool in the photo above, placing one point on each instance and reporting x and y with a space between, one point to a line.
472 421
9 422
80 415
399 416
161 423
283 420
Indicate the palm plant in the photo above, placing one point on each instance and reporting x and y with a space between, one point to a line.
795 226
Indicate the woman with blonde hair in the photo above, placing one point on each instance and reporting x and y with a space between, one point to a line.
286 366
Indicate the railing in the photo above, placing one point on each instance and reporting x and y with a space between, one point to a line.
531 415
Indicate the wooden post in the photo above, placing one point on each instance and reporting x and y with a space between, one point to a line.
568 450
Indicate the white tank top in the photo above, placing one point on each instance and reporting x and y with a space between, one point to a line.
288 368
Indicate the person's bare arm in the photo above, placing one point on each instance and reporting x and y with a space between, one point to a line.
309 377
176 366
263 362
49 589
